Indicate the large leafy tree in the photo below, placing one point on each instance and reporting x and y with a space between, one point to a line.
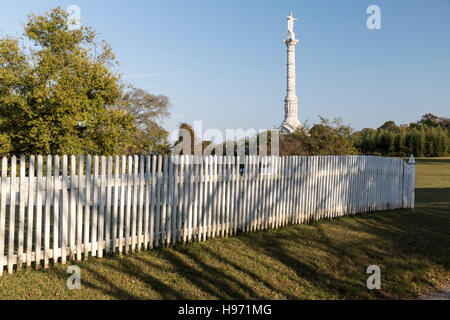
148 111
57 96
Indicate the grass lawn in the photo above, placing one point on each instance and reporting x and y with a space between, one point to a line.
323 260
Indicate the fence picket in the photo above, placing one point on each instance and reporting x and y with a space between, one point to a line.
87 208
3 191
123 182
170 202
153 203
65 215
48 208
159 178
109 186
128 203
147 202
135 203
12 213
115 204
95 197
80 207
72 207
22 204
164 200
101 210
196 189
186 206
56 208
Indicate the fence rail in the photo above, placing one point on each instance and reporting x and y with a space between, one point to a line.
53 209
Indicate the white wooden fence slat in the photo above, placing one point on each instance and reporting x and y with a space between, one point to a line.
135 204
164 200
289 193
196 189
190 220
48 208
229 204
95 202
12 213
207 196
128 204
115 203
56 208
236 206
246 193
258 209
65 213
140 234
272 191
40 189
304 189
87 208
72 207
3 212
109 186
295 190
199 207
276 192
210 196
170 202
79 230
153 204
22 204
30 212
201 203
101 211
313 193
185 198
147 202
213 165
175 209
219 192
283 193
253 193
159 179
121 222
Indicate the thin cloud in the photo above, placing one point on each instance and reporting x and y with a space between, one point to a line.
148 75
243 98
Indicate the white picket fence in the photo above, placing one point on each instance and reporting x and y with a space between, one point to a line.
61 210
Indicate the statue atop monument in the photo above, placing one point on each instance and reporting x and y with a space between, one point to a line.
291 19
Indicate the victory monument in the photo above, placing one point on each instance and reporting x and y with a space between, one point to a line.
291 122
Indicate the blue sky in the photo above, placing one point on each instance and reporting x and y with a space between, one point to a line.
223 62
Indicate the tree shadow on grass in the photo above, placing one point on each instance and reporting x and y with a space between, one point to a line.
330 256
434 160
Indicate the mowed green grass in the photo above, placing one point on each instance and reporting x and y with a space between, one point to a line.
323 260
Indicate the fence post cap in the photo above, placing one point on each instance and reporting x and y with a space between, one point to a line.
411 160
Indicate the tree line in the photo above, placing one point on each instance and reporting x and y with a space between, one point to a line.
428 137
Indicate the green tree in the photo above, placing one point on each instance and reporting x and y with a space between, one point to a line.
325 138
148 111
57 96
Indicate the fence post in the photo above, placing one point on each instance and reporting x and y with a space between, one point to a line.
412 168
3 212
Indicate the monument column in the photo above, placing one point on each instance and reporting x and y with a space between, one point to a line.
291 121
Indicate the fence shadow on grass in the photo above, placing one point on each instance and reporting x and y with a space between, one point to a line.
406 244
325 258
